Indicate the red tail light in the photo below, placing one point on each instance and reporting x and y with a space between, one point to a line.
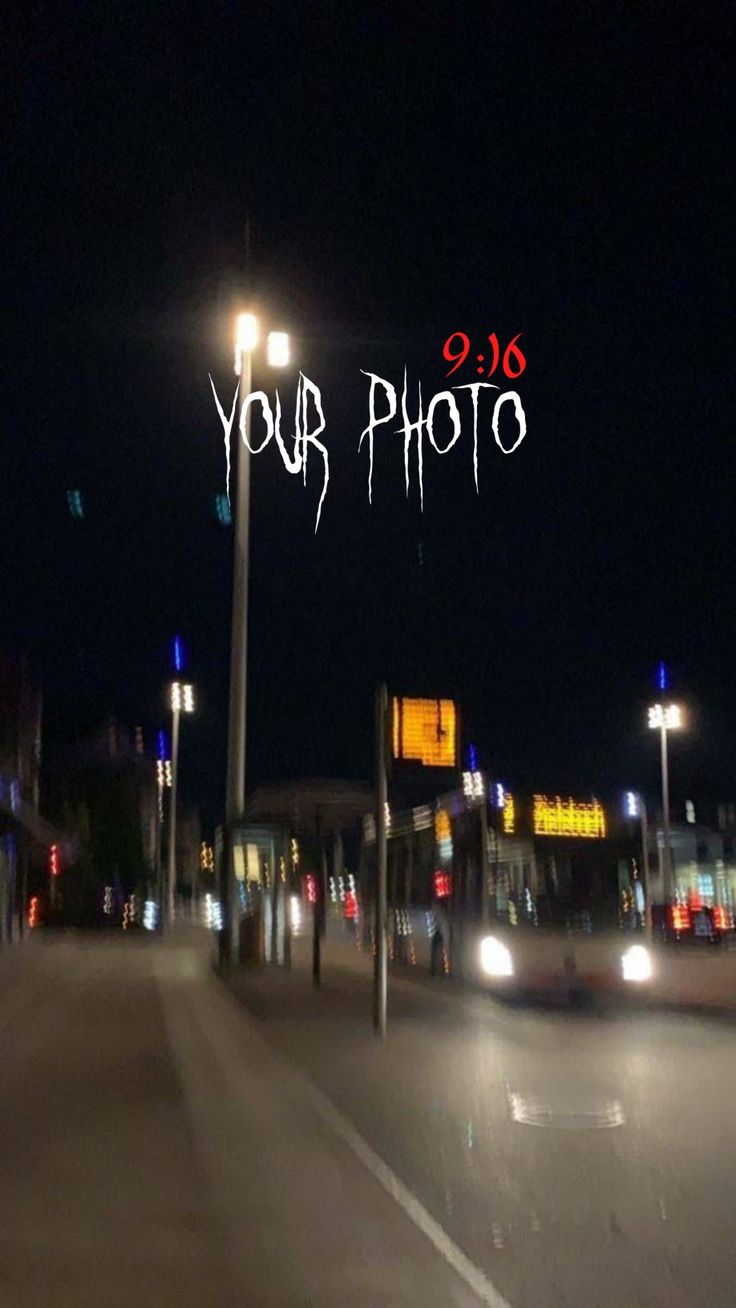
443 885
722 918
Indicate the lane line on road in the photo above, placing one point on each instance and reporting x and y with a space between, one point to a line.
473 1276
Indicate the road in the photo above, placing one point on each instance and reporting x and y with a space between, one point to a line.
165 1143
579 1162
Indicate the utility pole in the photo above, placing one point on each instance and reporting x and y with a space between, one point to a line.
380 958
484 913
171 886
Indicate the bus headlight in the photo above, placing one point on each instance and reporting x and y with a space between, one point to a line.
636 965
495 958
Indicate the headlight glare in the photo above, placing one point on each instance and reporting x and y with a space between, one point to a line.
636 964
495 958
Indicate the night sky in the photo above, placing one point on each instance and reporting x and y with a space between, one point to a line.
408 171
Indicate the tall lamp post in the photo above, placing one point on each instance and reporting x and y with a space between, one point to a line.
163 782
664 718
182 701
475 791
247 334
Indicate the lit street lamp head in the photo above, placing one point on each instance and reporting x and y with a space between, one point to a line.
182 697
277 349
246 337
668 716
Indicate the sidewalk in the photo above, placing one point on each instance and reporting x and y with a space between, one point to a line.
158 1152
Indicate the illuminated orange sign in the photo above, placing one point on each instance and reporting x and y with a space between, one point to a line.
425 731
442 828
509 814
568 817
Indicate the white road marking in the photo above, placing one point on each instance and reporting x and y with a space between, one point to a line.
472 1275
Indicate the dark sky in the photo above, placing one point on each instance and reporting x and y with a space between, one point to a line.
409 171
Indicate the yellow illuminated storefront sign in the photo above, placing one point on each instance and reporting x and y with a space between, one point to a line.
509 814
425 731
567 817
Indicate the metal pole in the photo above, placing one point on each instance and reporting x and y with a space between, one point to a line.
285 844
645 867
158 874
667 884
175 714
484 913
275 874
380 958
316 939
236 745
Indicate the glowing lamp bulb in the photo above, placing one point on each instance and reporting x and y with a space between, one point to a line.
668 716
277 349
246 337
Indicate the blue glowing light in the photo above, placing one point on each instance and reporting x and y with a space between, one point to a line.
500 793
472 758
222 509
178 654
662 678
162 752
74 500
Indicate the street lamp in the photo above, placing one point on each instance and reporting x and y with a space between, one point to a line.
474 790
247 335
664 718
182 701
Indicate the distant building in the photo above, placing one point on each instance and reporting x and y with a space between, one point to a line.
26 838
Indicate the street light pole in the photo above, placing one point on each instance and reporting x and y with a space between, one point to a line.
246 339
667 880
665 718
484 899
649 929
380 978
171 881
236 742
182 701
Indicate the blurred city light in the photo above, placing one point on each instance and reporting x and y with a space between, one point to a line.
74 500
246 337
473 787
568 817
277 349
222 509
182 697
632 804
668 716
495 958
212 913
636 964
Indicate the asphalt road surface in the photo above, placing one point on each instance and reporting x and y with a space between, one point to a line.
165 1143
